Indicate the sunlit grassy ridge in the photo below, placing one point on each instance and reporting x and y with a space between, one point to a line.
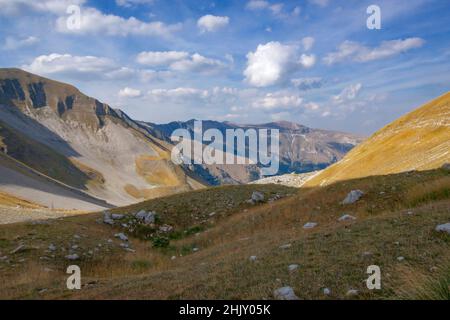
419 140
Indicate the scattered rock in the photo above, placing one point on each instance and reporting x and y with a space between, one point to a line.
443 228
257 197
195 249
72 257
75 247
173 258
76 236
346 217
165 228
130 250
326 291
253 258
107 218
18 249
353 196
367 254
446 166
117 216
293 267
121 236
124 245
285 293
285 246
52 247
310 225
400 259
146 217
352 293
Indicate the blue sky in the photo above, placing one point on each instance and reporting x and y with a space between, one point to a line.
312 61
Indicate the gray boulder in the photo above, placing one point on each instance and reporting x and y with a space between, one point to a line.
117 216
107 218
141 215
121 236
293 267
310 225
346 217
443 228
150 218
285 293
257 197
353 196
446 166
72 257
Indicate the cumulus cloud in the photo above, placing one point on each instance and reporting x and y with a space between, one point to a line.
349 50
278 100
305 84
95 22
273 62
66 63
17 43
128 92
307 61
210 23
197 63
269 64
160 58
257 4
89 67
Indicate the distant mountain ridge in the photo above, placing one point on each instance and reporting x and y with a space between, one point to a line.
302 149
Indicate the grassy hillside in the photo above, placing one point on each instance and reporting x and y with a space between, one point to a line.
419 140
394 228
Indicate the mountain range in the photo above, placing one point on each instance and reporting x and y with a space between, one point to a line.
71 144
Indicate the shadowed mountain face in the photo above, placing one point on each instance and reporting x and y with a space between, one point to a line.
58 131
302 149
420 140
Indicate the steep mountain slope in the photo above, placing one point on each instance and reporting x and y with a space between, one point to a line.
54 128
302 149
419 140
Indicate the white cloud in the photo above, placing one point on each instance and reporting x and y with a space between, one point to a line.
276 8
12 7
160 58
13 43
66 63
348 93
128 92
178 93
308 43
349 50
89 67
197 63
269 64
278 100
307 61
95 22
307 83
132 3
210 23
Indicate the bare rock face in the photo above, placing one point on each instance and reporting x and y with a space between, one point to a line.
353 197
285 293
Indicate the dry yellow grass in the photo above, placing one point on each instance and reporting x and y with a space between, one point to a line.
330 255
